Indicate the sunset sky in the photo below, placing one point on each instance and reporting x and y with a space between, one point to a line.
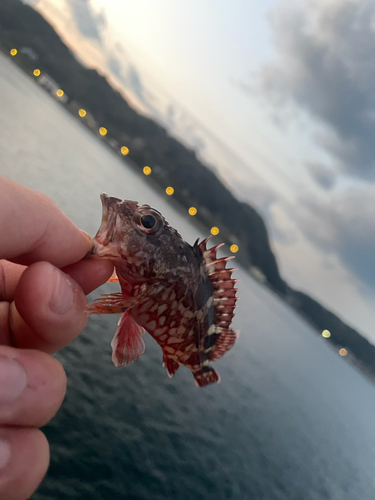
279 98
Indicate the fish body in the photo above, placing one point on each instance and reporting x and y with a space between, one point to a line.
181 294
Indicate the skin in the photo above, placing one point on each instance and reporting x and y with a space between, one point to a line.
43 307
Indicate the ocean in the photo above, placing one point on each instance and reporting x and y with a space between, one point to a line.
291 419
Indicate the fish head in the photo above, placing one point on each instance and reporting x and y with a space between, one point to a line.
138 240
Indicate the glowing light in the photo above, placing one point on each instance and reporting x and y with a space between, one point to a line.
59 93
343 351
192 210
82 113
103 131
234 248
36 72
124 150
326 334
147 170
214 230
13 52
169 190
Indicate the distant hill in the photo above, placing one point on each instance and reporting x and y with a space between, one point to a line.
172 163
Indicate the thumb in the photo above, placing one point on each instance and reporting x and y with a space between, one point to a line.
49 310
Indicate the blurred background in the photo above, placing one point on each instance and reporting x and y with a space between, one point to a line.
252 121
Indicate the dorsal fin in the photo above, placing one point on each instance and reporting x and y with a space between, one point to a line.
224 297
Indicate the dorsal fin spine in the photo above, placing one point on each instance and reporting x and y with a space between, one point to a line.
224 299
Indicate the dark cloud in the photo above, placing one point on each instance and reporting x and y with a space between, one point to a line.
88 22
326 65
322 175
344 225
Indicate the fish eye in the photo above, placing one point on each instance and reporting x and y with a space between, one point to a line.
148 221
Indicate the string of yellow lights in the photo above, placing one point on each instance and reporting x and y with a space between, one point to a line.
125 151
169 190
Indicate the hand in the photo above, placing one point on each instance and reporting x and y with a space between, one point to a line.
42 309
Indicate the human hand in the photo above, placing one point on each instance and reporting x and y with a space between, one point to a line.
42 309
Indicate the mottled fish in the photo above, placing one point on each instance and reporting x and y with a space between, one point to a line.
181 294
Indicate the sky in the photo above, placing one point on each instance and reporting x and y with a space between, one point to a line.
278 97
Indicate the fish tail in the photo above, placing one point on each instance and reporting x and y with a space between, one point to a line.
205 376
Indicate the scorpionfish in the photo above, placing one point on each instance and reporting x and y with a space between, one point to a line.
181 294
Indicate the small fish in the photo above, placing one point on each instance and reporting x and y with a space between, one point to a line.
181 294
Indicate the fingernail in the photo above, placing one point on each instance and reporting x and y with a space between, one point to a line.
5 452
62 296
13 379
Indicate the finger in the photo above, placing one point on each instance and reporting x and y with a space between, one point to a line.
49 309
9 276
32 387
24 459
36 229
90 274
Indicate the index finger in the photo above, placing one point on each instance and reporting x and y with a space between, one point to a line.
33 228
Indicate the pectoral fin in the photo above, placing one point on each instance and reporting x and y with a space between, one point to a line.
109 304
118 302
113 303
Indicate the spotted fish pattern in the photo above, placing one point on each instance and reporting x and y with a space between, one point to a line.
182 295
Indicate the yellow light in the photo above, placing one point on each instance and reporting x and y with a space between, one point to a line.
13 52
326 334
147 170
82 113
36 72
124 150
343 352
234 248
59 93
214 230
103 131
192 210
169 190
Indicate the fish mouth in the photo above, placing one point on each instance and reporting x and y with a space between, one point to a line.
105 239
112 205
108 205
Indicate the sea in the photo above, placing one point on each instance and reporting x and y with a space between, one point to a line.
291 418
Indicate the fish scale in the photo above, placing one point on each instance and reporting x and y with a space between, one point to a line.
182 295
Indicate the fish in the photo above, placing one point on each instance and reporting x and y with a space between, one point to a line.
182 295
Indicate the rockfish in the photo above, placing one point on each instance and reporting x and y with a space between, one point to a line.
181 294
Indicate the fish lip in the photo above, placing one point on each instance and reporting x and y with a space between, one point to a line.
108 204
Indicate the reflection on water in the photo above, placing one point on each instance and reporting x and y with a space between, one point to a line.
290 420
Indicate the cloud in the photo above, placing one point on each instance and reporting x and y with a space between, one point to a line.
344 224
325 65
322 175
89 23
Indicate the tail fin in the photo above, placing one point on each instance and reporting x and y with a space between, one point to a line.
205 376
